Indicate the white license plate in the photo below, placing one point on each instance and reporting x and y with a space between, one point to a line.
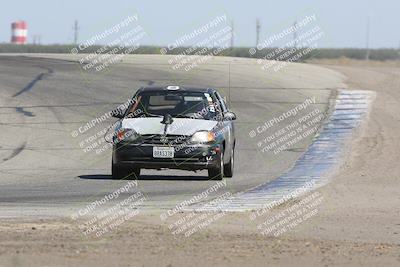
163 152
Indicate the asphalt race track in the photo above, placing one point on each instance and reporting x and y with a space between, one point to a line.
43 99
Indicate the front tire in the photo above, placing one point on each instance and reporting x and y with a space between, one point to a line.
228 168
119 172
134 173
217 173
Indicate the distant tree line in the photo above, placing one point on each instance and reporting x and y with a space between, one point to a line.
268 53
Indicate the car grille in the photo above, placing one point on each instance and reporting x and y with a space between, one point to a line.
171 140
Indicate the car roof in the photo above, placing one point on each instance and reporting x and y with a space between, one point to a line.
177 89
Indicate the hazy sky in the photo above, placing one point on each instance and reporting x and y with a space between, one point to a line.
343 21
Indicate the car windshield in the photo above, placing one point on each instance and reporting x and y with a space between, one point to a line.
178 104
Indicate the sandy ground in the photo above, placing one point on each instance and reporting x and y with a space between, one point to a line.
357 223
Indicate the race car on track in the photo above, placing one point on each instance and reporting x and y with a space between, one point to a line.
174 127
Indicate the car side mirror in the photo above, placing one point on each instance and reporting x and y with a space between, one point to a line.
118 113
229 116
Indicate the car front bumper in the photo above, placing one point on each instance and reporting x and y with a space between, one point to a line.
197 157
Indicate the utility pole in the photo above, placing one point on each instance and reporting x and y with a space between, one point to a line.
258 27
295 34
367 41
232 33
76 30
36 39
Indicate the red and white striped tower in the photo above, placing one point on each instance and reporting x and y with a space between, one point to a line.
19 32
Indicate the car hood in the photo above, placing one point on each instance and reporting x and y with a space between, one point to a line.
179 126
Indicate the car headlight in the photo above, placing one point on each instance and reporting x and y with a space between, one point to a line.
203 137
126 135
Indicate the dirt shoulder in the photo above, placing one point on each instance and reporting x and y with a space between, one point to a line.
362 203
357 222
144 242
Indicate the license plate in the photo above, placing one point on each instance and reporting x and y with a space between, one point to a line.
163 152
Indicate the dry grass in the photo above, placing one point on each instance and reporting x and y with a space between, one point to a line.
343 61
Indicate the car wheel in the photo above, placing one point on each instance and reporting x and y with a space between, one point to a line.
217 173
134 173
117 172
122 172
228 168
